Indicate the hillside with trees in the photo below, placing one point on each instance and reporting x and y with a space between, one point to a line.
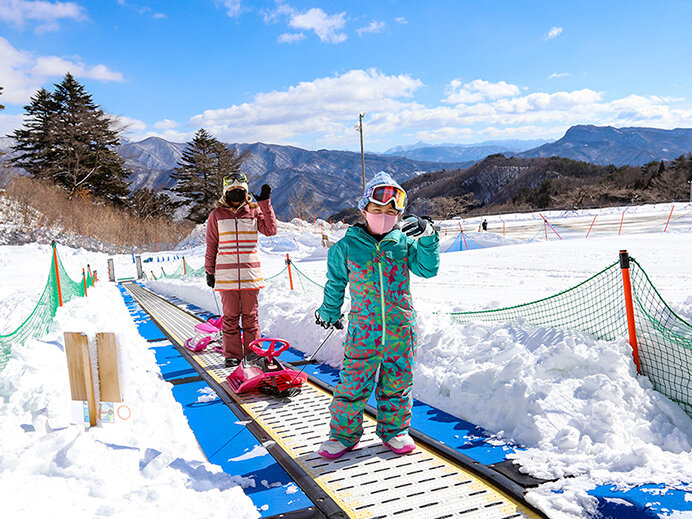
502 184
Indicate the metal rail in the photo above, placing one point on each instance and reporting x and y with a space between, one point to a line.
369 482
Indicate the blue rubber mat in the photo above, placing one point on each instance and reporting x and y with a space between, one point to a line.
227 442
171 363
644 502
223 437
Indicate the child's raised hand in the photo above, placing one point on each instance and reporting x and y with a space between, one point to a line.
416 227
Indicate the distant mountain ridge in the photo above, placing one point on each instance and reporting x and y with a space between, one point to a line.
604 145
332 178
461 152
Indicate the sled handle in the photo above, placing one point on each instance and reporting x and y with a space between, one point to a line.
272 350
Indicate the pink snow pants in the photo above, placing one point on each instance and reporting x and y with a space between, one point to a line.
236 303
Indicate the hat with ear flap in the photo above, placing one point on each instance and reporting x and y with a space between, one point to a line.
380 179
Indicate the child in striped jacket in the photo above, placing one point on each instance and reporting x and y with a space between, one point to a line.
232 260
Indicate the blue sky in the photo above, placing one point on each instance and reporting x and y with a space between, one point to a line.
299 72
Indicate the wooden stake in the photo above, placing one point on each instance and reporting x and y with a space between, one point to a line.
109 383
79 368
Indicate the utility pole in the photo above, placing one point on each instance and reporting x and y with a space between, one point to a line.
359 128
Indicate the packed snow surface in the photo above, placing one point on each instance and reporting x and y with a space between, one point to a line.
575 402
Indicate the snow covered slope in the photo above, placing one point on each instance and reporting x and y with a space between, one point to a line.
575 402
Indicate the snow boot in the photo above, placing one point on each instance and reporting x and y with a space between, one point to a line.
231 362
333 449
401 444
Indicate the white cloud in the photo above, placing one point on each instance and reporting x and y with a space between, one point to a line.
400 19
23 73
44 14
374 26
478 90
128 124
326 27
51 66
326 106
165 124
323 111
233 7
444 134
553 33
291 37
9 123
159 16
558 75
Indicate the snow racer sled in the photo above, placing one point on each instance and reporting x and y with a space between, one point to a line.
260 370
208 332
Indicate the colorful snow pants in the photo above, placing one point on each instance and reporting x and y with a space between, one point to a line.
363 355
236 303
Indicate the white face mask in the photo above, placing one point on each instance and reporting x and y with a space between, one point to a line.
381 223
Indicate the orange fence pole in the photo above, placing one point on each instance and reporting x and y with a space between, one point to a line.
184 267
463 237
546 222
629 306
57 273
621 220
84 281
671 214
290 276
589 231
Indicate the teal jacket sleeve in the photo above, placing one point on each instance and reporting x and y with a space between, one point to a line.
337 279
424 255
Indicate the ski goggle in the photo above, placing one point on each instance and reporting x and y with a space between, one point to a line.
234 178
383 195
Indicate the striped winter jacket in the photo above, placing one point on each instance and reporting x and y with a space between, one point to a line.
232 254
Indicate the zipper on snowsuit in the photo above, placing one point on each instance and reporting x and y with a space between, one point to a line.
379 267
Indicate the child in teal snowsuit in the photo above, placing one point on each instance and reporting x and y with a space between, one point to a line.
375 260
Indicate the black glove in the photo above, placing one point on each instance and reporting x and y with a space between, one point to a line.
326 325
415 226
211 280
265 193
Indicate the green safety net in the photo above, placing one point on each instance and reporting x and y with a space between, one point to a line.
184 270
597 307
43 313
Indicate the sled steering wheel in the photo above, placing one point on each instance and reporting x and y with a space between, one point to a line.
276 347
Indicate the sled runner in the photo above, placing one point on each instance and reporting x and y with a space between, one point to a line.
206 333
261 370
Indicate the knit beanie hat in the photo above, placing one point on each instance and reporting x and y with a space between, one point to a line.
380 179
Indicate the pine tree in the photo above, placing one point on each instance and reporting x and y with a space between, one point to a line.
200 172
68 139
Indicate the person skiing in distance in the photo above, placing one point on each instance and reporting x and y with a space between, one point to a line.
375 258
484 225
232 262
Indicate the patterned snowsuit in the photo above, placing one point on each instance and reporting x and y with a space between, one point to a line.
382 330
